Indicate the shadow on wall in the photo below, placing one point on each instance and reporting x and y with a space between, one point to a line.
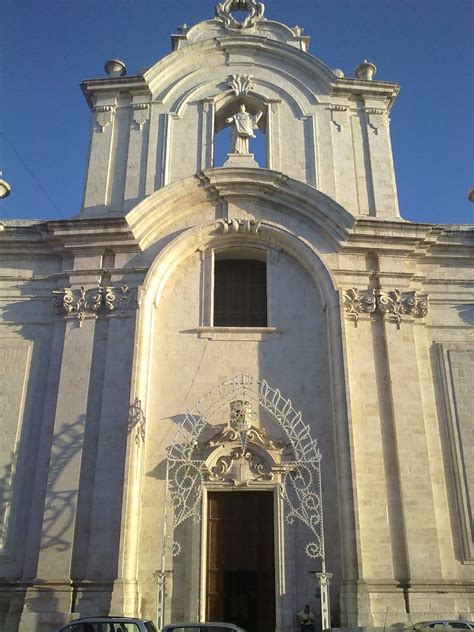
466 313
58 510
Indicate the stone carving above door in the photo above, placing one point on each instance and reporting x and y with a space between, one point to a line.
240 468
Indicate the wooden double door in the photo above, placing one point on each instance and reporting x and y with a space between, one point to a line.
241 560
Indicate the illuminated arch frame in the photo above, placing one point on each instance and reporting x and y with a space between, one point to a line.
300 485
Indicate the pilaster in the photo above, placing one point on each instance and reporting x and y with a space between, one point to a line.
101 148
136 171
412 452
381 163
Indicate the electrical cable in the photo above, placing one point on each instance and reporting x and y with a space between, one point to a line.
33 176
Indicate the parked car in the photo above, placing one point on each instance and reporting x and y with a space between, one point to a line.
210 626
109 624
446 624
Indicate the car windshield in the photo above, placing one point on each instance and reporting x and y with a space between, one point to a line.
89 626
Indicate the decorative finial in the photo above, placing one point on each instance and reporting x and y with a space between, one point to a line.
5 188
470 195
115 68
254 9
366 70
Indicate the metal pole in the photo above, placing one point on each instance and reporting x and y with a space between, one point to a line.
160 577
324 581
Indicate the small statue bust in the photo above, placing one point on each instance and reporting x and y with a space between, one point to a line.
241 415
243 125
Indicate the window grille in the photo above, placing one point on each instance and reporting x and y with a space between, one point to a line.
240 293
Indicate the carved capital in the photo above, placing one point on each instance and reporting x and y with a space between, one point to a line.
254 9
240 84
77 303
239 225
140 114
358 302
103 115
393 305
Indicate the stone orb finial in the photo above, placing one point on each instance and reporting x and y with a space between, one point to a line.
366 70
115 68
470 195
5 189
338 72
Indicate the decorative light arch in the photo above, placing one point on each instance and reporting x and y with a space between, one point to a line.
300 479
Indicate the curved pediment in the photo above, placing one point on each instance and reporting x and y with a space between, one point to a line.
210 61
263 189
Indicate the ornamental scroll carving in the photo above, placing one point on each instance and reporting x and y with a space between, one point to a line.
77 303
358 302
392 305
239 225
254 9
240 84
240 467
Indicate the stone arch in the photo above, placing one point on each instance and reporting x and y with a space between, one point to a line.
145 222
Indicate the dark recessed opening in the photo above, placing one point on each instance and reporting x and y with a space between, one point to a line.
240 293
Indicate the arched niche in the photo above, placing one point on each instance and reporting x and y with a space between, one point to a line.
229 105
225 108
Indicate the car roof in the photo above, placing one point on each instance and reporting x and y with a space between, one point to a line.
109 618
209 624
444 621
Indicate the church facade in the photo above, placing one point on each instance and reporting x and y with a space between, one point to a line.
231 391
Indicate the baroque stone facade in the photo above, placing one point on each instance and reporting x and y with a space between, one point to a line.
124 408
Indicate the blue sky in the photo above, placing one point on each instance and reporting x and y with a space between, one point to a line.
48 46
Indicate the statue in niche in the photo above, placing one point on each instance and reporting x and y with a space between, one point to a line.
243 125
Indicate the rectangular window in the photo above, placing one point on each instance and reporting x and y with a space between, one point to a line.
240 293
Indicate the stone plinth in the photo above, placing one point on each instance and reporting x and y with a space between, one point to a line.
241 160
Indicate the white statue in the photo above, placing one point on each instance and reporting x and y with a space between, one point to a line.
243 126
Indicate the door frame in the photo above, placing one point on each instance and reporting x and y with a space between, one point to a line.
284 600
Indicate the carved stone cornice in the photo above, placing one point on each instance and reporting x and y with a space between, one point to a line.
240 225
254 9
392 305
77 303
